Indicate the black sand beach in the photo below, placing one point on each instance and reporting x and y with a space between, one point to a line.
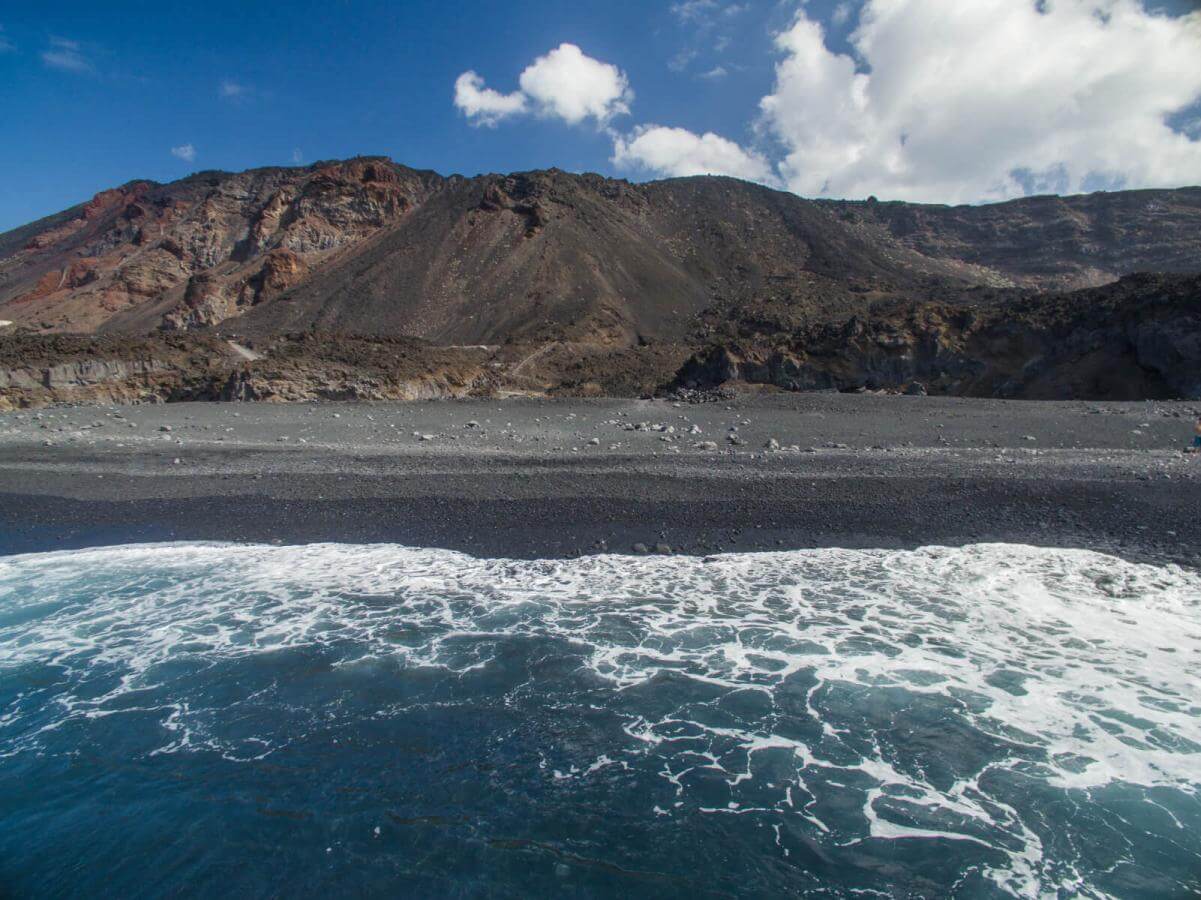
530 478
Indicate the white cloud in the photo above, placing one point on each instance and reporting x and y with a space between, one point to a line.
682 60
568 85
565 84
186 152
297 157
572 86
693 10
64 54
239 92
6 46
962 102
937 100
678 152
482 105
715 74
705 14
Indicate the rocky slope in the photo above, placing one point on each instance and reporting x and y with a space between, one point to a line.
147 257
578 284
1137 338
368 246
1048 243
43 370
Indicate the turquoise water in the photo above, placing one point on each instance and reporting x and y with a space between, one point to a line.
990 721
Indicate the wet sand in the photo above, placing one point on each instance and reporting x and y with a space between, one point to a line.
537 478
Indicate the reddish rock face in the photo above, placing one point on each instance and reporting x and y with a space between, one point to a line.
282 269
252 235
97 209
45 286
104 202
43 240
81 273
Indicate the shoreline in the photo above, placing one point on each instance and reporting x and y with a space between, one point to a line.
529 482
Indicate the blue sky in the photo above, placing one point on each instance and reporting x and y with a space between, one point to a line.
93 95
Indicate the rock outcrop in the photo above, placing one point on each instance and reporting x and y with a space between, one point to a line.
198 251
39 370
1138 338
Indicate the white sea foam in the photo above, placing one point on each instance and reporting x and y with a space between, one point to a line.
1084 667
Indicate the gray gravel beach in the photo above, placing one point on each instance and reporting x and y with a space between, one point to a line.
541 478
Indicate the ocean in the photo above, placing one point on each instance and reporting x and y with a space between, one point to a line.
350 720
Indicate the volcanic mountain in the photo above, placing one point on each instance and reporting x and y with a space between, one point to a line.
581 267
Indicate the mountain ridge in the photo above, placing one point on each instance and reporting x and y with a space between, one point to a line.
631 259
598 285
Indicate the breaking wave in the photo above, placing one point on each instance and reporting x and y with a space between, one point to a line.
994 720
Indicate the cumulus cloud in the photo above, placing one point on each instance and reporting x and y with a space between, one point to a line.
961 102
482 105
568 84
565 84
186 152
935 100
677 152
65 55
